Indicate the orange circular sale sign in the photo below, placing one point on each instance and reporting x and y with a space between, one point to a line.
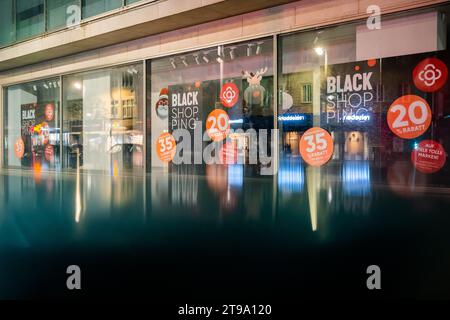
19 148
316 146
409 116
218 125
166 147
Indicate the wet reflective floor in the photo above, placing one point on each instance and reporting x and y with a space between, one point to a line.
224 236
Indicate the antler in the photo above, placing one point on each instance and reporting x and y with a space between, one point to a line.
246 74
261 71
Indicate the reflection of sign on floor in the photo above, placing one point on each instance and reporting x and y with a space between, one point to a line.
348 94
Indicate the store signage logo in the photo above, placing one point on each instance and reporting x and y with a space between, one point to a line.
357 117
229 95
292 117
374 20
74 16
430 75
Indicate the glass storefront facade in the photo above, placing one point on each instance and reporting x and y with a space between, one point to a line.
326 79
31 121
357 86
247 67
103 120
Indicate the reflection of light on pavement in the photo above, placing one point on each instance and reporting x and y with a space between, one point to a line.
37 170
115 169
291 177
313 183
356 178
77 191
236 175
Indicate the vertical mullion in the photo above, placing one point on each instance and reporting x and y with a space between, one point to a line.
61 123
144 114
45 16
14 13
275 126
275 99
2 118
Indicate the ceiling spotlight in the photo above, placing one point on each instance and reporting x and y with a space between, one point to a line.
220 51
259 47
232 53
183 60
172 62
316 39
45 86
249 49
55 84
34 88
219 60
77 85
205 57
130 71
197 59
319 50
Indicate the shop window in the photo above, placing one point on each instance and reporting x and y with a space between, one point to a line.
7 27
346 79
30 18
32 125
94 7
103 120
242 71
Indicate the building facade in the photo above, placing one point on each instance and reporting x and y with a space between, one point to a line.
97 84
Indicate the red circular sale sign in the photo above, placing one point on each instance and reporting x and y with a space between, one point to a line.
429 157
316 146
166 147
430 75
218 125
229 95
409 116
49 153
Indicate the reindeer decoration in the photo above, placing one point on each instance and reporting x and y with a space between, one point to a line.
254 95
